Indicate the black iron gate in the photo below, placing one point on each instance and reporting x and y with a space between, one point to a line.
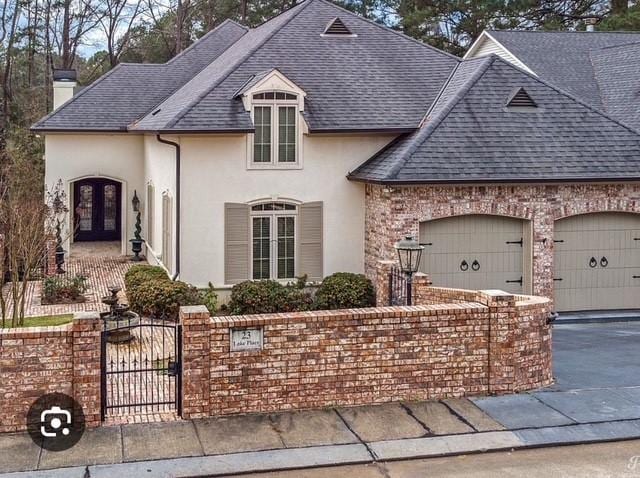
397 287
141 367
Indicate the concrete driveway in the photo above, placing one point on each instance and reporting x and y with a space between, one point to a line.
597 371
598 355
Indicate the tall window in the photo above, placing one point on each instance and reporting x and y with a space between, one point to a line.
275 117
167 230
273 240
150 212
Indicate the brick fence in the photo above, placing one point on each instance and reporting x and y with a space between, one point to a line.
477 343
39 360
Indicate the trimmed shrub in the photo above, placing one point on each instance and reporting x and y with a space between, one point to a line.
161 299
344 290
142 273
267 297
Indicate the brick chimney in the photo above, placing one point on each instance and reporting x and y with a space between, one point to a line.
64 82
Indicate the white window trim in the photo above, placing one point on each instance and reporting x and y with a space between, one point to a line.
273 259
275 131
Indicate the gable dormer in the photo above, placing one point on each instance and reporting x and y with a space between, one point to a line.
275 104
267 82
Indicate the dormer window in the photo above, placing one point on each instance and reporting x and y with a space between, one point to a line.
275 117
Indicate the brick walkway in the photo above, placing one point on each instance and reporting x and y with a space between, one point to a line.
103 266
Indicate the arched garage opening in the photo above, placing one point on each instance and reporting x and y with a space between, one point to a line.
478 252
597 262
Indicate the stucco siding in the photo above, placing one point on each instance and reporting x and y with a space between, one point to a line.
70 157
159 170
214 171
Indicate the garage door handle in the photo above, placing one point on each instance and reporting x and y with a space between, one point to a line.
519 281
464 266
475 265
515 242
636 277
593 262
426 243
559 279
604 262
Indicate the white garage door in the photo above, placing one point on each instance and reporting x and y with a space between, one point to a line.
597 262
474 252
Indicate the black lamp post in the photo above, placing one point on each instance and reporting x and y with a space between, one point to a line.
136 242
409 254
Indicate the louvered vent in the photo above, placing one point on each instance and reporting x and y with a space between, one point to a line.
337 27
521 99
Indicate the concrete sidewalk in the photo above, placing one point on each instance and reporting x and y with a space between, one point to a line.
340 436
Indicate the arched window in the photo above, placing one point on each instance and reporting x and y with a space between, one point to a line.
275 117
273 240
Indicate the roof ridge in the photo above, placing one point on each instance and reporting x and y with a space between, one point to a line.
206 35
80 93
303 5
623 45
570 96
512 30
431 125
155 106
389 29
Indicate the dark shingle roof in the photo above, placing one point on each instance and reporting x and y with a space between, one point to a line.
471 136
132 90
563 58
617 71
378 80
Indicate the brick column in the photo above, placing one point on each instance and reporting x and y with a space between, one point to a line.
86 329
383 269
502 318
196 359
421 286
50 266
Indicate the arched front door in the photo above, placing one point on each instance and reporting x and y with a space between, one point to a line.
96 209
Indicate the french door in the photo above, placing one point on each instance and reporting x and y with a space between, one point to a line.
97 210
273 246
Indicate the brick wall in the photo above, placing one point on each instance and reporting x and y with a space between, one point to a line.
361 356
39 360
392 213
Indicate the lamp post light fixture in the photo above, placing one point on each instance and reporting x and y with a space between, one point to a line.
409 254
136 242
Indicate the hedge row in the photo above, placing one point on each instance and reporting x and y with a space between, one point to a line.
342 290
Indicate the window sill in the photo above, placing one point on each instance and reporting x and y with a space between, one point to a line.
277 166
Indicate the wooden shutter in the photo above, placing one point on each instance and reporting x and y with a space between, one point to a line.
236 243
310 240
